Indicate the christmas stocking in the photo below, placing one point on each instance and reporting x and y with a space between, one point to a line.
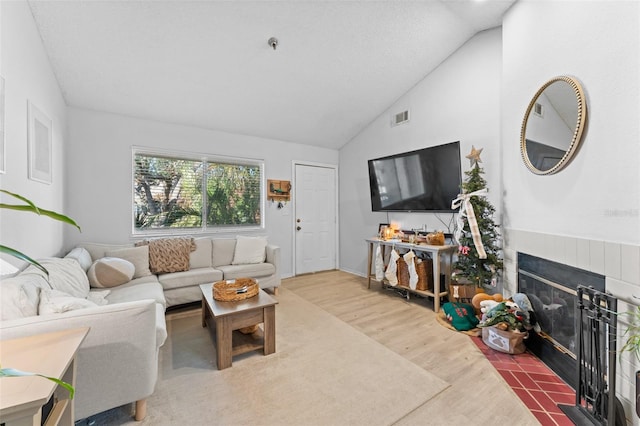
379 264
413 275
392 268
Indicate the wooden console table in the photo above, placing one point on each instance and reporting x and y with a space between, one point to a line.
439 254
50 354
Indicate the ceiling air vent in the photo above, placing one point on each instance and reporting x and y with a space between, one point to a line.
538 110
400 118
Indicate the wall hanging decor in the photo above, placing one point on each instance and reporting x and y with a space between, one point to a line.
553 125
3 161
278 190
39 146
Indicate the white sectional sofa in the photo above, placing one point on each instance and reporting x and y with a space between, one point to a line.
213 259
117 363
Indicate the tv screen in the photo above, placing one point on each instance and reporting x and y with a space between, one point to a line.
425 180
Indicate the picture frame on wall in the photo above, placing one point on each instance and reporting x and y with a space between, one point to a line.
39 145
3 161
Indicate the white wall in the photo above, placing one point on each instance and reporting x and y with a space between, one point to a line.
28 76
598 195
460 100
587 215
99 185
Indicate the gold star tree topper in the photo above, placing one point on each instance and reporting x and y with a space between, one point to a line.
474 156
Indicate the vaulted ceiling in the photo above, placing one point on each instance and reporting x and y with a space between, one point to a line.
338 64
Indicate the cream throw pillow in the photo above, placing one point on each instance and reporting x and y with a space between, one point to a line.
139 256
82 256
249 250
110 272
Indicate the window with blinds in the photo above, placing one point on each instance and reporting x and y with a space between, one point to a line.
191 194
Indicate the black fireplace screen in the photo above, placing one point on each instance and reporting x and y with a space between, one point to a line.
554 308
551 288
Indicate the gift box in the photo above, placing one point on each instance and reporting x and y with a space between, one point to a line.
507 341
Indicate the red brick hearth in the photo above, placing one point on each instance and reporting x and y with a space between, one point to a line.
537 385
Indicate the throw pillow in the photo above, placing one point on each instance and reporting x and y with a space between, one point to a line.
461 315
139 256
57 302
249 250
82 256
169 254
110 272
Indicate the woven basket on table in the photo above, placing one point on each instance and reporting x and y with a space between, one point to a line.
402 272
235 290
424 268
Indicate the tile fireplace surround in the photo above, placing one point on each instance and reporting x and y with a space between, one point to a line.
619 263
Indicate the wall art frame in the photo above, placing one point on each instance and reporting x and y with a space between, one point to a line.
3 160
39 145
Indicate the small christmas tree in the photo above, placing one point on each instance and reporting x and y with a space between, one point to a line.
470 265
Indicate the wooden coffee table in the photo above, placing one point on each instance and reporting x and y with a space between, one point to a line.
225 317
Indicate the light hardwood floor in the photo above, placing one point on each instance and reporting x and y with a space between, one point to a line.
477 393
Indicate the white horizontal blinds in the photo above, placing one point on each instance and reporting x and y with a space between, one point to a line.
167 192
175 192
233 194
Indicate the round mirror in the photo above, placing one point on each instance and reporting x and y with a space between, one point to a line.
553 125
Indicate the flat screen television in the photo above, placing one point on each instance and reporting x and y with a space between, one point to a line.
425 180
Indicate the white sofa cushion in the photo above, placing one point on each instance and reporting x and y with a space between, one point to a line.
137 290
139 256
110 272
189 278
249 250
201 257
255 270
57 302
222 251
82 256
98 251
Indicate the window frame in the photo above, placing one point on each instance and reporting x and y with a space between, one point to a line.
202 157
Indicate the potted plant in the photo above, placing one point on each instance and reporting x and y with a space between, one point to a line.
29 206
632 344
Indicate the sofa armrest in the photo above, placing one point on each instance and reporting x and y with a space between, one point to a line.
118 361
273 257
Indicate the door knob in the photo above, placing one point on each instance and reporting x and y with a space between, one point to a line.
298 228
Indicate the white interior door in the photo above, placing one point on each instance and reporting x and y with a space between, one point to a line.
315 221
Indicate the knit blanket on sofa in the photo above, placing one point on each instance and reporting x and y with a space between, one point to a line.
169 254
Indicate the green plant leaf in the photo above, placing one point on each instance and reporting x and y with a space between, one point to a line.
19 255
41 212
12 372
632 333
19 197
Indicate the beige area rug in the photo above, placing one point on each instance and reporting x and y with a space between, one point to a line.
324 372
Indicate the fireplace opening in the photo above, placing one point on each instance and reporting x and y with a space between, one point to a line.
551 288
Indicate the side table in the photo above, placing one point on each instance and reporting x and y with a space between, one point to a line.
50 354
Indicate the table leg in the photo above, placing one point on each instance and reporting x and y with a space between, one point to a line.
204 311
269 330
369 261
224 342
436 283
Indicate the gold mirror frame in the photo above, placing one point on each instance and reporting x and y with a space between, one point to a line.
577 134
